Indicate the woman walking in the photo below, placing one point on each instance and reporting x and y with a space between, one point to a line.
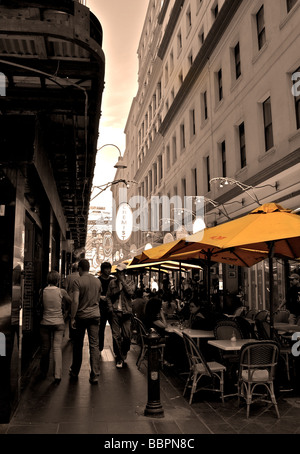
55 303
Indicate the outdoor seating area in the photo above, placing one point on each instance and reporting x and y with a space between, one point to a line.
239 353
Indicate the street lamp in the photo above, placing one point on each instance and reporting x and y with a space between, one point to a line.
120 164
244 187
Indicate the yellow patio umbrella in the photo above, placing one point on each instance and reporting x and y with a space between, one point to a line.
270 228
156 253
256 231
193 252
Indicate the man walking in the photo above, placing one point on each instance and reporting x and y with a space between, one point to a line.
68 284
105 315
119 297
85 315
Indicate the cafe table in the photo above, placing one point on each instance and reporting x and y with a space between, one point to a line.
287 327
229 345
193 333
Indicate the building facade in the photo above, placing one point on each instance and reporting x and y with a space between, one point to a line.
218 97
52 64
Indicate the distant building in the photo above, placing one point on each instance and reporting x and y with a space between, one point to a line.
218 96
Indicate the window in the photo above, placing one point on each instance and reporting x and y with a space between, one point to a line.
159 91
208 173
192 122
261 31
268 127
194 177
174 149
296 93
223 158
160 168
190 58
215 10
146 187
166 73
237 61
180 77
204 107
168 157
154 175
183 185
182 136
188 20
242 145
290 4
179 42
220 85
150 181
171 61
201 37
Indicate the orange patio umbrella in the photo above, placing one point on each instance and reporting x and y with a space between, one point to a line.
270 228
195 251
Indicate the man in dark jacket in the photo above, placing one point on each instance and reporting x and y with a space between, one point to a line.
119 297
105 315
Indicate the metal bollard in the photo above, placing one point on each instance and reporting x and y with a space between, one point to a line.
153 407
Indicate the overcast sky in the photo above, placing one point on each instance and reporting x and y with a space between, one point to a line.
122 22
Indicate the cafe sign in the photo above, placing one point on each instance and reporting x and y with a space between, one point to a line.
124 222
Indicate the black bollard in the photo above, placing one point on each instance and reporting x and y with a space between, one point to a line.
153 407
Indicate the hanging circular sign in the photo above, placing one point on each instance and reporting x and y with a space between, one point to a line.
124 222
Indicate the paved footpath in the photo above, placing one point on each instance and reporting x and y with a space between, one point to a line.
115 406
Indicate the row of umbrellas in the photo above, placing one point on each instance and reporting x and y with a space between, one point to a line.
268 231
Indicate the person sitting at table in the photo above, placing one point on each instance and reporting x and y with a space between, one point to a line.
184 310
154 316
169 305
198 319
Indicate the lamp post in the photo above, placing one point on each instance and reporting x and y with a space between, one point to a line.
120 164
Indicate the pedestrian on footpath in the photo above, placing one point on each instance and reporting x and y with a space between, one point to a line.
55 303
68 284
85 316
105 315
119 297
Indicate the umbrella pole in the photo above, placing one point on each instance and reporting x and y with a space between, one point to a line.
271 288
208 277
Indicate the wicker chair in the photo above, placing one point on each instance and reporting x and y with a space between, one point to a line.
258 362
281 316
264 332
199 368
262 315
224 330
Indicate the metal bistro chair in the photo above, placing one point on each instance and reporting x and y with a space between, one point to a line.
142 340
224 330
258 362
262 315
251 314
263 329
281 316
199 368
